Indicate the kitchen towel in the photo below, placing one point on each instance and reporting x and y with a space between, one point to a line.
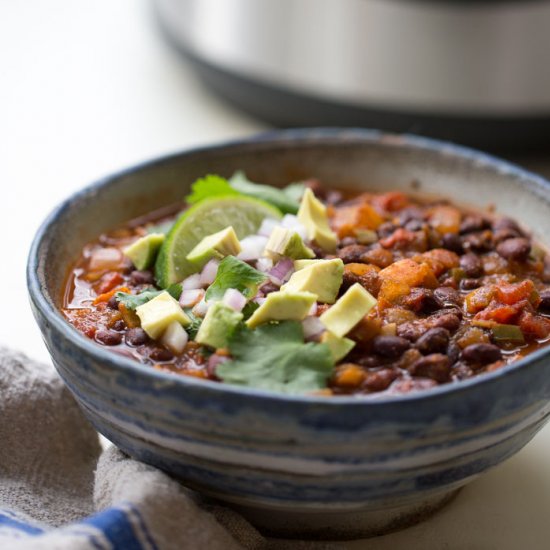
60 490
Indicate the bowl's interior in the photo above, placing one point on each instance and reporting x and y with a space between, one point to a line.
352 159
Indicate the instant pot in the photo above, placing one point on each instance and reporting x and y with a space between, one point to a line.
477 72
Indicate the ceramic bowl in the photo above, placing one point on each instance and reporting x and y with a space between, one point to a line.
298 465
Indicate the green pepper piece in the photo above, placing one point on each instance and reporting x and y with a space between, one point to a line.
457 273
508 333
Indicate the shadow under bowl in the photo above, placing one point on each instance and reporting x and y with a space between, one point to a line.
305 466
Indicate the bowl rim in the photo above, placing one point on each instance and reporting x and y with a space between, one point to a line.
312 136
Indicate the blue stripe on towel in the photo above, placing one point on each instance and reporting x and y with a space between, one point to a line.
8 520
117 527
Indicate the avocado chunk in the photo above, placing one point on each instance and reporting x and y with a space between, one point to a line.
300 264
313 216
339 347
143 252
218 245
348 310
285 242
158 313
219 323
283 306
323 277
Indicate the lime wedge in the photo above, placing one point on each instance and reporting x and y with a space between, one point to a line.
207 217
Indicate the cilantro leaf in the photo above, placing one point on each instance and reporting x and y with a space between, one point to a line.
287 200
132 301
193 328
274 357
233 273
209 186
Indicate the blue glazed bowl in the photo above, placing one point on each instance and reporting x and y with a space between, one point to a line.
299 466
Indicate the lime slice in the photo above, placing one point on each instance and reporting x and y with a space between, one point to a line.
207 217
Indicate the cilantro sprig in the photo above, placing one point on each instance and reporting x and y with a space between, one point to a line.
133 301
287 200
234 273
275 357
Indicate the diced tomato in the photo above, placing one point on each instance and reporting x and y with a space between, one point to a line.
512 293
534 327
503 313
400 238
390 202
109 281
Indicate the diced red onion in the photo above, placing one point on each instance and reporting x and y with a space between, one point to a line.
313 328
234 299
189 298
252 247
175 338
267 227
313 309
290 221
282 271
209 272
264 264
192 282
200 309
259 300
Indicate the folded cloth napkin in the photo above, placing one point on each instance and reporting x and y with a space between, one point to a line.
60 490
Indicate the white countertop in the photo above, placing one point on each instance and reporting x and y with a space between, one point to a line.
89 88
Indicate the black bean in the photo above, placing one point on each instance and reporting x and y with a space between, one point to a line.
136 337
446 296
450 321
453 352
112 303
161 354
517 249
414 225
142 278
108 337
473 223
545 300
352 253
469 284
409 214
420 300
451 241
391 347
368 361
504 234
434 340
481 354
269 287
507 224
380 379
386 229
471 264
347 241
480 242
119 325
435 366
